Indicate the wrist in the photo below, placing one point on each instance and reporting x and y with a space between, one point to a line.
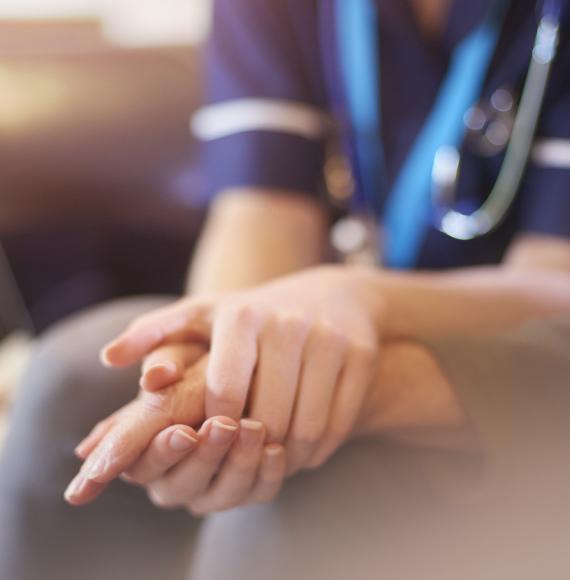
364 283
390 299
411 400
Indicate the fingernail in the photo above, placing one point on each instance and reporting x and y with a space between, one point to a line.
166 371
250 432
75 487
222 434
181 441
168 368
97 469
274 450
251 424
104 356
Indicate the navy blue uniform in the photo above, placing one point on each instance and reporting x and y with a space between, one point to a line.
274 79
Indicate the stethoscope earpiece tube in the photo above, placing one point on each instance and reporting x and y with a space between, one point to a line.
493 212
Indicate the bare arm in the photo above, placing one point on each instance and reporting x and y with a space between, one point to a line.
505 393
534 283
253 236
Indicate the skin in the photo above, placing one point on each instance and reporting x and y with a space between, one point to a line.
410 400
311 405
336 383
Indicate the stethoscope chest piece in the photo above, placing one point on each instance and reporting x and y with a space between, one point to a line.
489 125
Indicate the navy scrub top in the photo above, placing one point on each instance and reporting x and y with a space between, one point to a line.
274 81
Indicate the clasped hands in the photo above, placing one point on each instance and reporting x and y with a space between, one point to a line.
237 392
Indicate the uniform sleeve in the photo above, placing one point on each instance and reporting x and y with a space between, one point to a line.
264 123
516 392
545 195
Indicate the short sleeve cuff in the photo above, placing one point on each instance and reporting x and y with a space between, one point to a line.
265 160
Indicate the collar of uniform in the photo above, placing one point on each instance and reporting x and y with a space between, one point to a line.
464 17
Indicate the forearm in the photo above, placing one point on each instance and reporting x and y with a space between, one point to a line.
253 236
470 301
488 393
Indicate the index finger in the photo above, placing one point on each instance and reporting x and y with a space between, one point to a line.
187 319
233 357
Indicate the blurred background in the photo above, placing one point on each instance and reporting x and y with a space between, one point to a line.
100 191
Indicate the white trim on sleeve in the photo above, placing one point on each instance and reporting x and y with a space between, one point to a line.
553 153
240 116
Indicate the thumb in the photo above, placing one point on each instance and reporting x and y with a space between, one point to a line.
167 364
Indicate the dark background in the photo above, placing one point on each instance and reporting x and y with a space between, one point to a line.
100 190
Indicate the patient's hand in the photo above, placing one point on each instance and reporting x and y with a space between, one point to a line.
222 465
117 442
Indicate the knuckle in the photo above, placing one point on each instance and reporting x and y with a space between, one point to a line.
155 403
365 353
331 338
276 433
141 321
224 396
209 460
309 434
241 313
292 326
241 465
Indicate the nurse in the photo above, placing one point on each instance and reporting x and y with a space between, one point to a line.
282 79
410 89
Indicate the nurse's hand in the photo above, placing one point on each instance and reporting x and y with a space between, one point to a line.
298 355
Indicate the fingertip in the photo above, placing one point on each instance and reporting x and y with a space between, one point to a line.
84 448
164 438
251 425
221 430
104 357
82 491
251 433
80 452
111 355
181 441
160 376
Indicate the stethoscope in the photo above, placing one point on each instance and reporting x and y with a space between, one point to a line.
425 193
492 127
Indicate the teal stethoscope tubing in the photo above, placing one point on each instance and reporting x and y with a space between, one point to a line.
495 208
408 211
